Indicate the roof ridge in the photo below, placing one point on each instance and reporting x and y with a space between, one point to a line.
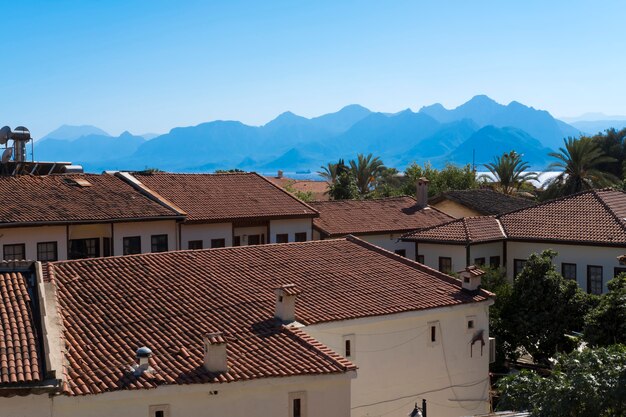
409 262
348 200
468 237
608 208
544 203
285 191
424 229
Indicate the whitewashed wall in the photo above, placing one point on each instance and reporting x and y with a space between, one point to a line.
576 254
326 396
432 252
29 236
391 242
206 232
455 210
396 361
145 230
291 227
486 250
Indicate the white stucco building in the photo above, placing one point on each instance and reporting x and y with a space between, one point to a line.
323 328
587 230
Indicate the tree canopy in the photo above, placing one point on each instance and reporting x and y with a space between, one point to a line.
509 172
605 324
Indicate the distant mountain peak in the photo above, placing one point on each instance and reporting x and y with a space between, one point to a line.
72 132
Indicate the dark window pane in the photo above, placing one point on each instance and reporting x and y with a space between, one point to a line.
420 259
47 251
84 248
218 243
158 243
617 271
479 261
445 264
131 245
595 284
401 252
433 333
159 413
16 252
297 407
194 244
237 241
300 237
568 271
348 349
518 265
282 238
107 250
494 261
254 239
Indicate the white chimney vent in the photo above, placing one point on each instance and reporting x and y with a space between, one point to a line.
421 192
143 360
286 302
215 354
471 278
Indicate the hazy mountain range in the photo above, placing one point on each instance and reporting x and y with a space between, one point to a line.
475 131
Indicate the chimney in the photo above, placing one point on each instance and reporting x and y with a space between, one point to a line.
470 278
286 302
143 360
280 173
421 192
215 355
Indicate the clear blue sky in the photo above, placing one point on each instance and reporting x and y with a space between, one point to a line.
147 66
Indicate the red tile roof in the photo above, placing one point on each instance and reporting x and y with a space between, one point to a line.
460 231
57 199
225 197
386 215
19 344
484 201
596 216
169 301
318 189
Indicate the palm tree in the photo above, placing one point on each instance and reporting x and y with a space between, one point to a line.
332 170
581 161
365 170
509 172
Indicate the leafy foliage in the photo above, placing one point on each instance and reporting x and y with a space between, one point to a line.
344 187
228 171
542 308
510 172
451 177
605 324
591 383
366 170
581 161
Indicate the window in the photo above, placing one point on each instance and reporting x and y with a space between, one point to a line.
158 243
433 333
300 237
479 261
237 241
194 244
84 248
131 245
282 238
594 279
494 261
518 265
218 243
445 264
162 410
15 252
107 248
420 259
254 239
401 252
47 252
349 346
470 323
617 271
297 404
568 271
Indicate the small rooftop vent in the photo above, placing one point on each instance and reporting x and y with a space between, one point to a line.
286 296
215 352
80 182
471 278
143 360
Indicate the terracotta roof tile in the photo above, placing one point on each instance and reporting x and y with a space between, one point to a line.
169 301
318 189
462 231
596 216
61 199
395 214
19 344
484 201
223 197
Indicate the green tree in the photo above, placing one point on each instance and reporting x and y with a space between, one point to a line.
612 142
542 308
509 172
495 281
390 183
331 170
344 187
590 383
451 177
366 170
605 324
228 171
580 161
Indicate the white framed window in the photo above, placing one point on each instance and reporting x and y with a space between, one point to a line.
349 346
160 410
297 404
470 324
434 333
